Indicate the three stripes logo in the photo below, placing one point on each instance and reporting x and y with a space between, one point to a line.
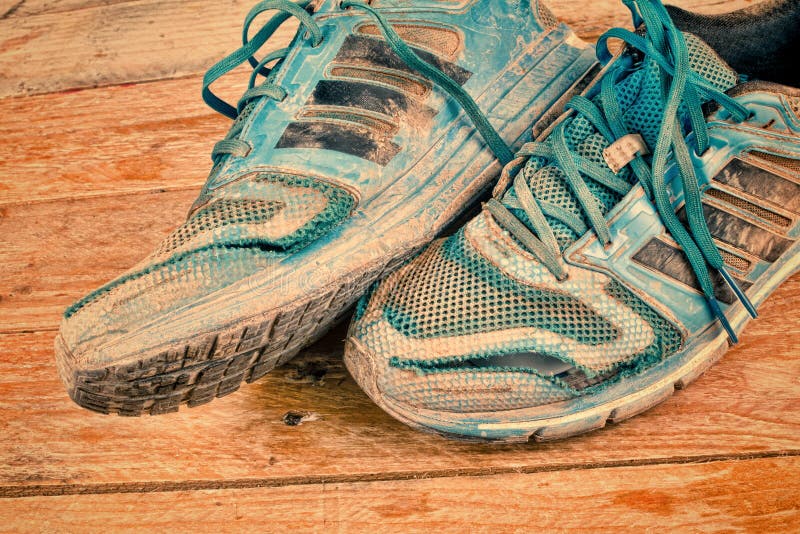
751 206
369 90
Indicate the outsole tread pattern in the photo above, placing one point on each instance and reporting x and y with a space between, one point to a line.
214 364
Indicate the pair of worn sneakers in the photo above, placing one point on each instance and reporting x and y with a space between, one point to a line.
642 212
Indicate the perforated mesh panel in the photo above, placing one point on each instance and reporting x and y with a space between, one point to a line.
446 296
403 83
279 211
217 215
640 97
645 113
462 391
735 261
707 63
546 16
264 216
668 338
439 40
792 165
744 205
549 183
456 292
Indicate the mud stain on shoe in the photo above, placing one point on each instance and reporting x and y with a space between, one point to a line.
297 418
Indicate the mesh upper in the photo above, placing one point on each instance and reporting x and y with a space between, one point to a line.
456 391
250 225
278 210
218 215
451 292
159 287
457 292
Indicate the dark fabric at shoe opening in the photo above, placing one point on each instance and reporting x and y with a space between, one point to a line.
761 41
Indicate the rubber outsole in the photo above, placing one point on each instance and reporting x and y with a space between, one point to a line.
213 364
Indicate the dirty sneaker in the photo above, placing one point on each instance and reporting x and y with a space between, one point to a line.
622 253
370 132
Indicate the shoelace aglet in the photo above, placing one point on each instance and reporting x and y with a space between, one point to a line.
713 304
739 293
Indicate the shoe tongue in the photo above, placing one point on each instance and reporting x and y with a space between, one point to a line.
642 104
641 93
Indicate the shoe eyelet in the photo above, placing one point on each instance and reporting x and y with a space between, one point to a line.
307 37
750 117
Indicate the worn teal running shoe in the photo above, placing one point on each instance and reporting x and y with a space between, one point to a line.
622 253
377 126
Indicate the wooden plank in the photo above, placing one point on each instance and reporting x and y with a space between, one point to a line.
746 404
151 40
119 43
109 140
760 495
25 8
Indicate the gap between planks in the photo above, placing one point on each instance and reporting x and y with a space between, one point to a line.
245 483
755 495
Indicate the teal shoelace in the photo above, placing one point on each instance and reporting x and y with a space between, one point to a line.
666 45
269 89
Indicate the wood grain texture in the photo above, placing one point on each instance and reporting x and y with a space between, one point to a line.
761 495
55 251
746 404
120 42
10 9
108 141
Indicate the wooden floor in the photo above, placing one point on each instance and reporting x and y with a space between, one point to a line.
104 142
